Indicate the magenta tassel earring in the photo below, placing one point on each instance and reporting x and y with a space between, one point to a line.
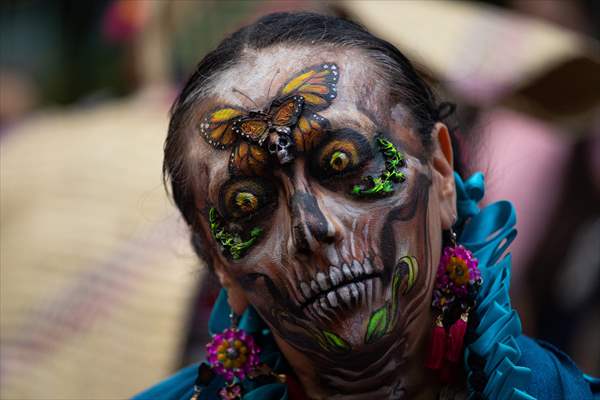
457 282
456 338
437 348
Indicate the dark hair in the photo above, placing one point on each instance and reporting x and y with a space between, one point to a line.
301 28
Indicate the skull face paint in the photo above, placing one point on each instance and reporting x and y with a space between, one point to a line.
342 279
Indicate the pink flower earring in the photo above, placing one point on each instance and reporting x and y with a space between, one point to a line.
232 354
457 282
232 362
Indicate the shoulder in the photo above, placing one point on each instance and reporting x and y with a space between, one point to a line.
554 375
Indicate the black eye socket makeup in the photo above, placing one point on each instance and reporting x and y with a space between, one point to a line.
241 199
343 153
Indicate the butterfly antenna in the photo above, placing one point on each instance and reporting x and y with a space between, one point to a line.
246 96
271 84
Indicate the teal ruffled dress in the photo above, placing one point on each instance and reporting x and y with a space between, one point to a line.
501 363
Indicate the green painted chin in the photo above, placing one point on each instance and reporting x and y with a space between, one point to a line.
380 322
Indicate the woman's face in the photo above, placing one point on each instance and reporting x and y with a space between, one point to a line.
333 264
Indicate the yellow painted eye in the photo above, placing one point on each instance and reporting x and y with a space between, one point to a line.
339 161
241 198
246 201
338 156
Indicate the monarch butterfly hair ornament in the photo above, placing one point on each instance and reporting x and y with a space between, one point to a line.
289 124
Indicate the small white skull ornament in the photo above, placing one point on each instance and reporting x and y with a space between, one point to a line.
280 144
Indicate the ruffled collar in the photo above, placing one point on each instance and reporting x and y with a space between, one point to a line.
492 352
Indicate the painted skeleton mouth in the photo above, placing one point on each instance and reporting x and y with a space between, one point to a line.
344 287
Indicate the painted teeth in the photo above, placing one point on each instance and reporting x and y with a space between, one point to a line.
332 298
356 269
362 290
323 281
344 294
305 289
323 299
354 292
346 271
335 274
314 287
332 255
367 266
324 304
319 311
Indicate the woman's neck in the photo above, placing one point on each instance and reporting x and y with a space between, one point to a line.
397 371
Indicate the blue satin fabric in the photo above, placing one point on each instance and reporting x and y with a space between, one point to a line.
180 386
514 366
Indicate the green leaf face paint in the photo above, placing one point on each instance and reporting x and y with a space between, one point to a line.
232 243
377 325
383 320
335 342
383 185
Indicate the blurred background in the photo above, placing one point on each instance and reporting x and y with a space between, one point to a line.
101 295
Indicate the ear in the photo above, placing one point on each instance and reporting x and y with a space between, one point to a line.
443 169
235 294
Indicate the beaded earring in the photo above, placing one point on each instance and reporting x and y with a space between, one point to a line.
457 282
234 356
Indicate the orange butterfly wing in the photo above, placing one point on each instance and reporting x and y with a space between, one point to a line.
286 112
248 159
317 84
318 87
217 127
309 131
253 127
